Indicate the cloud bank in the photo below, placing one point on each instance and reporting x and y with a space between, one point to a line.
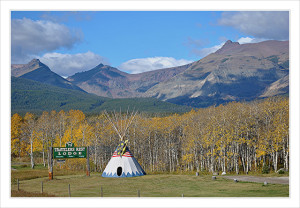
206 51
259 24
69 64
135 66
29 37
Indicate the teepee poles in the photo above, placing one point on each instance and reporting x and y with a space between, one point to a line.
113 125
119 123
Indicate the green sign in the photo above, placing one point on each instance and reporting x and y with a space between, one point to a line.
69 151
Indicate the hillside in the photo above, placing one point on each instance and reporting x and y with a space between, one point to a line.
233 73
110 82
37 71
32 96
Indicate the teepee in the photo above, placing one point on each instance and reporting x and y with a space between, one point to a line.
122 163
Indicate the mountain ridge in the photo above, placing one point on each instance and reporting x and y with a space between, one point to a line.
235 72
108 81
37 71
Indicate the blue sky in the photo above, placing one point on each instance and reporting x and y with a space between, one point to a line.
134 41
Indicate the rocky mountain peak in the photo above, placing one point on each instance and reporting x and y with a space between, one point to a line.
35 64
99 65
34 61
37 71
229 45
21 69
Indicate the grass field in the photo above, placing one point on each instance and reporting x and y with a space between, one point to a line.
149 185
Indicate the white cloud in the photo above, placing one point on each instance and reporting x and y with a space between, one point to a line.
29 37
244 40
69 64
259 24
206 51
136 66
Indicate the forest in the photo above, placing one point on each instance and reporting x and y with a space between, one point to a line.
236 137
36 97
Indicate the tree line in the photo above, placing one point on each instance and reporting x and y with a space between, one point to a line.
236 137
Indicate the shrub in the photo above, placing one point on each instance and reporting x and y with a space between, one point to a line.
265 169
281 171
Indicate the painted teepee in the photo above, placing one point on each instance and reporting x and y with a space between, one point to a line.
122 163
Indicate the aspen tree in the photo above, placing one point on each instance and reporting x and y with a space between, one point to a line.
29 128
16 134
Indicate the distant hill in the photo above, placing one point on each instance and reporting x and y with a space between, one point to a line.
36 70
233 73
110 82
32 96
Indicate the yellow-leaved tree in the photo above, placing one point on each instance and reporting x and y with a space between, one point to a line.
16 122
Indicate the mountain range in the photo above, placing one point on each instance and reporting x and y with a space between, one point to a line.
36 70
236 72
233 73
110 82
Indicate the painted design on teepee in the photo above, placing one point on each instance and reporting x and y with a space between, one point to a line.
122 162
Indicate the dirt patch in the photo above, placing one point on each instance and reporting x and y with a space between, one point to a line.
257 179
22 193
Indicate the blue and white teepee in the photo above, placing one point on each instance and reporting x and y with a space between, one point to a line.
122 163
123 166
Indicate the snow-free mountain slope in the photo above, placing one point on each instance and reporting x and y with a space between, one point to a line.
233 73
37 71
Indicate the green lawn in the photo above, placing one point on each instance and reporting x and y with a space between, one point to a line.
149 186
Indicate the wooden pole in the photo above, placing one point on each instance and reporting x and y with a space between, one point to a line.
138 192
18 184
87 161
182 195
42 187
101 191
69 191
50 163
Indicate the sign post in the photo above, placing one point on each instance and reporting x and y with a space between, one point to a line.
69 151
50 163
87 162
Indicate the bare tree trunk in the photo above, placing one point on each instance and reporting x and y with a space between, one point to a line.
247 159
286 155
237 160
95 154
212 160
31 150
275 160
224 163
44 162
150 151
